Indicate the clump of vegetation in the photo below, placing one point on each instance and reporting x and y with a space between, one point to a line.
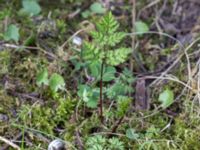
83 94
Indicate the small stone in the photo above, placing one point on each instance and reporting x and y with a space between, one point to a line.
57 145
77 41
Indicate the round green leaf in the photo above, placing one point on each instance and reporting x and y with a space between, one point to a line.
166 98
97 8
141 27
86 14
12 33
56 82
42 78
31 6
92 103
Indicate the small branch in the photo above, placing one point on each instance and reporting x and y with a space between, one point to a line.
78 140
116 125
9 143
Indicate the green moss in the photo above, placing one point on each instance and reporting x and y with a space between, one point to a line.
48 118
5 61
186 135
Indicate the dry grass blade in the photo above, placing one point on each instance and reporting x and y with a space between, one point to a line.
9 143
176 61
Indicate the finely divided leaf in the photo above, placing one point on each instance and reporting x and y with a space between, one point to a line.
130 133
90 52
108 25
115 38
117 56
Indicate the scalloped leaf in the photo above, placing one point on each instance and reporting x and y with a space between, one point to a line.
97 8
42 78
31 6
56 82
166 98
12 33
141 27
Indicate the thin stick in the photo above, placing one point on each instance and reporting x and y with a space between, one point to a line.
133 23
171 79
116 125
133 36
7 45
158 33
9 143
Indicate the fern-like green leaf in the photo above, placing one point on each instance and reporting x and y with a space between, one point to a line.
115 38
90 52
104 39
108 25
117 56
99 38
111 40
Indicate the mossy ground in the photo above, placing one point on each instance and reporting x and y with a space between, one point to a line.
38 116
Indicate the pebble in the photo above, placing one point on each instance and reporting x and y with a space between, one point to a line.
77 41
57 145
3 118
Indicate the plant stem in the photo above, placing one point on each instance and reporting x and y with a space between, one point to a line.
101 93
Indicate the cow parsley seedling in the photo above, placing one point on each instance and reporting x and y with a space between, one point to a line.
104 49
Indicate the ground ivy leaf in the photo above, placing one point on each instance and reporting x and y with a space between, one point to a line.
12 33
82 88
31 6
141 27
130 133
166 98
42 78
86 14
92 103
97 8
56 82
